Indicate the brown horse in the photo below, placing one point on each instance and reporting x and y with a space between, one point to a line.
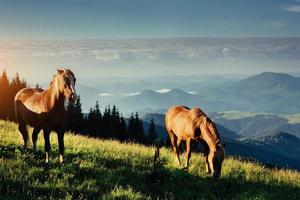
184 124
46 109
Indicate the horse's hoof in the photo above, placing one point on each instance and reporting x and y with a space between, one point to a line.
61 160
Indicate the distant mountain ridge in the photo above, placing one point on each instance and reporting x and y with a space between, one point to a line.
265 92
257 124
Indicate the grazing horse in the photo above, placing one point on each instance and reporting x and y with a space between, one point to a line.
184 124
46 109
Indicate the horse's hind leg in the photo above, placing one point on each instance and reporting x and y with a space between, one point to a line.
47 144
24 132
35 137
173 139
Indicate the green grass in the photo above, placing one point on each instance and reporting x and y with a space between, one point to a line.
105 169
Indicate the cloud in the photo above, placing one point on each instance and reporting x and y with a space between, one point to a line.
191 92
132 56
130 94
106 94
107 57
164 90
292 8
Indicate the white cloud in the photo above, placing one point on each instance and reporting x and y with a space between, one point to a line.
130 94
225 50
106 94
191 92
164 90
292 8
107 56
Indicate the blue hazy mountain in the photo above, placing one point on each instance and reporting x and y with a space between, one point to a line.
266 92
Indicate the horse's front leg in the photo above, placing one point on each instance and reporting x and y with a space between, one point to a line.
60 136
188 153
47 143
206 152
207 167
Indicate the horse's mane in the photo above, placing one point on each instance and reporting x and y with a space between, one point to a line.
200 118
66 71
213 133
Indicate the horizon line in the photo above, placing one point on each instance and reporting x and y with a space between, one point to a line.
147 38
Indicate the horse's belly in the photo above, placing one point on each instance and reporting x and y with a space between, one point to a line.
41 120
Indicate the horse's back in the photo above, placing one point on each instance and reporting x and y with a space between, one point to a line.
183 112
28 104
26 93
182 120
173 112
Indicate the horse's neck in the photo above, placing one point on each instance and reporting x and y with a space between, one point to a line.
212 138
52 98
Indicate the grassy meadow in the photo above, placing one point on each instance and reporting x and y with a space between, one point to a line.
106 169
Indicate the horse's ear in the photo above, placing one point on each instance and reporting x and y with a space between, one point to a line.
60 71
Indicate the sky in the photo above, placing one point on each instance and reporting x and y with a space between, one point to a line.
141 38
99 19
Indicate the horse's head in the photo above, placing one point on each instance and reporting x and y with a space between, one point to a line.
216 148
66 84
215 159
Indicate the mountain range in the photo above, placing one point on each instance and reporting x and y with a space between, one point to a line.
266 92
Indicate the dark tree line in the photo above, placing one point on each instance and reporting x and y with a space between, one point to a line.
8 90
109 123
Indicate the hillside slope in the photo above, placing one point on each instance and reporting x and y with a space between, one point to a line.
97 169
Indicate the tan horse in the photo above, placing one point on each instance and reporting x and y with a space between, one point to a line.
184 124
46 109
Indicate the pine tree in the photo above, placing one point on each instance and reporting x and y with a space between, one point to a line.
131 129
15 86
97 110
97 122
78 109
4 96
90 123
122 128
75 116
152 136
37 86
139 129
70 117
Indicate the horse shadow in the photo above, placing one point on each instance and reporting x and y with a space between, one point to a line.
94 177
